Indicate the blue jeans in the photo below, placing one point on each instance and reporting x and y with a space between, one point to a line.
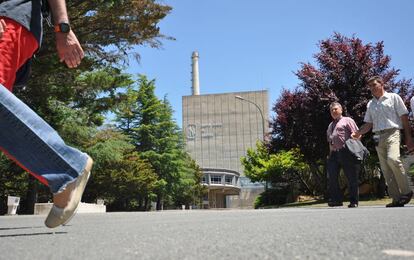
35 146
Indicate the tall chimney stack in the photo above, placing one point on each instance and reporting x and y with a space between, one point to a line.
196 83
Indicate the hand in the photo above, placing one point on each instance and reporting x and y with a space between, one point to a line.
356 135
2 27
69 49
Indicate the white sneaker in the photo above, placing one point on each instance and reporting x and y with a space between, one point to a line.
59 216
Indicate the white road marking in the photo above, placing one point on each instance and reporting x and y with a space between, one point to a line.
398 252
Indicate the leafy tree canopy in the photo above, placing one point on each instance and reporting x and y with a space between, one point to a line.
262 166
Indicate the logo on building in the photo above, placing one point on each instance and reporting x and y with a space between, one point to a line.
191 132
206 131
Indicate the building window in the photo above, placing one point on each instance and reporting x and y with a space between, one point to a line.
229 180
215 179
204 180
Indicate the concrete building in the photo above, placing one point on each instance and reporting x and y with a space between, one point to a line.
219 128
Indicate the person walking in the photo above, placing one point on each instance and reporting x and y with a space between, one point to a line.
339 131
25 137
386 114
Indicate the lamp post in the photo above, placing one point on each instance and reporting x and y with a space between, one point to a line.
263 121
261 114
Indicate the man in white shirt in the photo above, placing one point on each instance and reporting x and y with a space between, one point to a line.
386 115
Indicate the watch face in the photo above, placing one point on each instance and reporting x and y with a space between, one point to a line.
64 27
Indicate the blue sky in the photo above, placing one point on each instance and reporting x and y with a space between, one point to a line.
254 45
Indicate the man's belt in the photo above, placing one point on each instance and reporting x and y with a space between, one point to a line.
389 130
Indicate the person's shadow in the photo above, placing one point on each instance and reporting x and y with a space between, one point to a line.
29 234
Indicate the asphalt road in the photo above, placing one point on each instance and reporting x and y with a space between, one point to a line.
294 233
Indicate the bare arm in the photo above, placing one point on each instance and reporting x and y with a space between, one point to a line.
407 133
59 11
2 28
67 44
365 128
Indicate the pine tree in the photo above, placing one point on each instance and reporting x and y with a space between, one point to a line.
156 137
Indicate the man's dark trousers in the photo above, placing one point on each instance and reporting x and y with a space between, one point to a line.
345 160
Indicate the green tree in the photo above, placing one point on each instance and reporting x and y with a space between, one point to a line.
256 162
117 169
149 122
189 190
284 166
108 31
120 177
286 171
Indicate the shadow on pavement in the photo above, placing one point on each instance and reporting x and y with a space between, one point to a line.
12 228
34 234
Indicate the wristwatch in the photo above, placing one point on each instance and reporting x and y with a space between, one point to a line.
62 27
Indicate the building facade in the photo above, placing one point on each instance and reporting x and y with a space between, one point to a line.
218 129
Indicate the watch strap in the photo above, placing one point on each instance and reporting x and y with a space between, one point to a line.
58 27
